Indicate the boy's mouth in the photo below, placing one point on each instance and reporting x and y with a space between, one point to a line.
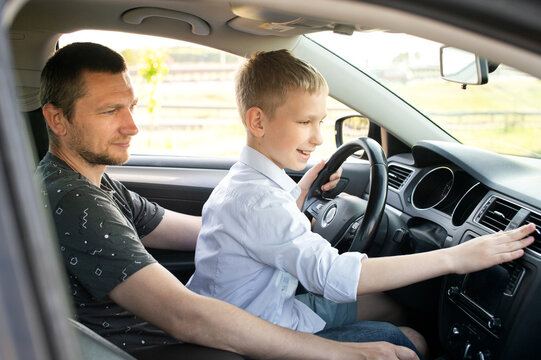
304 153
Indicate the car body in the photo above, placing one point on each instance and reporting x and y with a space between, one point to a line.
442 191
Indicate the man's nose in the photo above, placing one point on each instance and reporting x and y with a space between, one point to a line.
128 123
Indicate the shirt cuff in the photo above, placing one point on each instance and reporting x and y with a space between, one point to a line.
343 278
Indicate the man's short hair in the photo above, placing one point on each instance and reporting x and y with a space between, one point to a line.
265 79
62 77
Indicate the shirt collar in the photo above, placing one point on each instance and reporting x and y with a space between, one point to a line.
259 162
59 163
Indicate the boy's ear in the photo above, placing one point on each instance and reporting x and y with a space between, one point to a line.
254 121
55 119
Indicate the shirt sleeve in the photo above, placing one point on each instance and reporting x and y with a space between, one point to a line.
279 235
146 214
98 244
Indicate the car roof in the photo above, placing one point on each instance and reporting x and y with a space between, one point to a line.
505 31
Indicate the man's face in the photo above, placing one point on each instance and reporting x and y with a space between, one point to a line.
102 124
293 133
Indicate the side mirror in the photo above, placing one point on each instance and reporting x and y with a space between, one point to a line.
351 127
463 67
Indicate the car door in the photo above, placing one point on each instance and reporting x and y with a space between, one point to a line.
33 300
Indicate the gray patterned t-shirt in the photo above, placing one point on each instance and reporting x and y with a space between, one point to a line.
99 231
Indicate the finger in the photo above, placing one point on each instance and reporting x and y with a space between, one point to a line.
320 165
522 231
404 353
312 173
514 235
509 256
330 185
520 244
336 175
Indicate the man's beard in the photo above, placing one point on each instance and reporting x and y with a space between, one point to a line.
89 156
99 159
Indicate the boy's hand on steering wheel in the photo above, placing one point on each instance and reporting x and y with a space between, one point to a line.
311 175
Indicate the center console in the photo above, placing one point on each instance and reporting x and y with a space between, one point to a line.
493 314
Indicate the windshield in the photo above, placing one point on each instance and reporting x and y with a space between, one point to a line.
502 116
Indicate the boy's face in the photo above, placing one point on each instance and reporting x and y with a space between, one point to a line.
293 133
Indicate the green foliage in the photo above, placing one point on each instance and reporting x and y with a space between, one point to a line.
152 71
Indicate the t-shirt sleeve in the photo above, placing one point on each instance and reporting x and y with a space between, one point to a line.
147 214
98 244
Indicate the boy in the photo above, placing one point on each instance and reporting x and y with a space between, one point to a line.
255 245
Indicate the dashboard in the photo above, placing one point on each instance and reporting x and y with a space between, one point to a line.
449 193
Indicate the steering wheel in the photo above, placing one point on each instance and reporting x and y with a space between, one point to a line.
347 218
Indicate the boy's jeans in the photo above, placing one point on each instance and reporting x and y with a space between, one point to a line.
367 331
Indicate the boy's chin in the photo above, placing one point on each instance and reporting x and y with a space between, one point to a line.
298 167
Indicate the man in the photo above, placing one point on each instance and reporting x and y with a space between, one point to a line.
103 229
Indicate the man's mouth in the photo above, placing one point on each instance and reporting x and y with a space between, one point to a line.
122 143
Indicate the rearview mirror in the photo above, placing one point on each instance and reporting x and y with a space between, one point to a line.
462 67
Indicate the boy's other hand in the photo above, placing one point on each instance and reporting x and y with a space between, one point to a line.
493 249
311 175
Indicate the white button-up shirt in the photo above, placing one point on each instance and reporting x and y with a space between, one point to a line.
255 243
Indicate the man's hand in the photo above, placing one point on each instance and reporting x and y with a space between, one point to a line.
311 175
375 351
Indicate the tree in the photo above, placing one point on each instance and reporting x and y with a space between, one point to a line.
152 71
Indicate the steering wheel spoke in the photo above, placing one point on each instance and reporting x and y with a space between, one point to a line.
315 207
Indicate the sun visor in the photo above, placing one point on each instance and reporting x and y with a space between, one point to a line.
260 21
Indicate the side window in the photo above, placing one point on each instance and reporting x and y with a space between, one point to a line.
187 97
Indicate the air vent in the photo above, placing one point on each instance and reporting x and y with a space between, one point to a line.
398 176
536 219
498 214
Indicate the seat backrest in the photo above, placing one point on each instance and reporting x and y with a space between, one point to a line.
37 125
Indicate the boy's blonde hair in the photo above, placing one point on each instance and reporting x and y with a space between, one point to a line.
265 79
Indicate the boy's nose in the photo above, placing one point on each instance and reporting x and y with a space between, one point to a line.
317 139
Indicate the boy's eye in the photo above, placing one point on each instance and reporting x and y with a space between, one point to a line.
306 122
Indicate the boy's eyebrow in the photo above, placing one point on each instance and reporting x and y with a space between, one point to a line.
317 117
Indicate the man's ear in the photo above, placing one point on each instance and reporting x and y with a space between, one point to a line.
55 119
255 121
